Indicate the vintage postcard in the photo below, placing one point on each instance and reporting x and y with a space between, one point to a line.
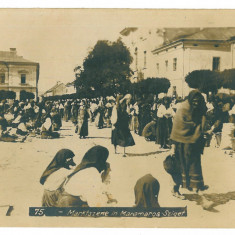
117 118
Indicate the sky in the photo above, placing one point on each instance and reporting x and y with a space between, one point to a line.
59 39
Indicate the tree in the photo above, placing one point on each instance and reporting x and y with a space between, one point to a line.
24 95
228 78
152 86
204 80
7 95
106 69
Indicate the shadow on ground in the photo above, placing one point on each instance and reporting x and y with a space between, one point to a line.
210 201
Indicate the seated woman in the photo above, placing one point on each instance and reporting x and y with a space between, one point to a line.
56 120
9 117
4 132
46 129
54 175
85 187
21 128
146 192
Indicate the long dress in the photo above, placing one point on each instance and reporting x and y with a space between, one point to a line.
82 126
189 144
121 134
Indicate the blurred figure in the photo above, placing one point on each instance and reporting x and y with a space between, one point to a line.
83 116
146 192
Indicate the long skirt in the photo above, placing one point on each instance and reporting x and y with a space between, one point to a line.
122 137
162 132
82 128
188 158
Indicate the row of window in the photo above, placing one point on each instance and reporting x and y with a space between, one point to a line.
136 59
166 65
215 64
3 78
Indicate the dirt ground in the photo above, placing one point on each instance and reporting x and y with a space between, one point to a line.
21 165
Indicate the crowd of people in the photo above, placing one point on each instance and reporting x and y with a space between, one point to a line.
185 126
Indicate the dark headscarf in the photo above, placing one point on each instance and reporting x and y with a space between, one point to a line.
94 157
201 109
146 192
59 161
192 94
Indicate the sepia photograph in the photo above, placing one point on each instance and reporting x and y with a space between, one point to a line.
117 118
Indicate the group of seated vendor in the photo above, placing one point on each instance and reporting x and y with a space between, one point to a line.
20 119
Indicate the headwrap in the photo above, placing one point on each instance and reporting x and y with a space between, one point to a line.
94 157
146 192
59 161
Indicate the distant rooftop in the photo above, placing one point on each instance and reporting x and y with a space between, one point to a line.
11 56
128 30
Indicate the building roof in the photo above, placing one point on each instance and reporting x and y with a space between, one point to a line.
173 34
128 30
222 34
70 84
54 87
12 57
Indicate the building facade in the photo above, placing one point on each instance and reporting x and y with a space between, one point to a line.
142 41
61 89
208 49
58 89
174 52
18 74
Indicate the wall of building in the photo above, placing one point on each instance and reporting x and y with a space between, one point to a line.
202 58
70 90
190 58
59 90
175 76
13 78
145 40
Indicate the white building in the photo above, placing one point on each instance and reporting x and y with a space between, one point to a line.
208 49
174 52
61 89
142 41
70 88
17 73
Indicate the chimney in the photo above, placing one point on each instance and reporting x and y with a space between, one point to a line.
13 51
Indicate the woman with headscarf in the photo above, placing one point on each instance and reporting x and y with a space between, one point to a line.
46 129
146 192
121 134
54 175
5 134
187 134
56 120
86 185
